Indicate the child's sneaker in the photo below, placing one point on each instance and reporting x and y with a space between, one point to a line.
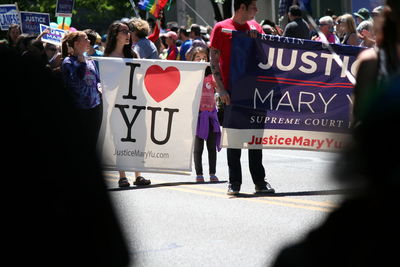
199 179
214 179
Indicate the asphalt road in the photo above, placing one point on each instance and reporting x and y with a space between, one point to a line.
176 222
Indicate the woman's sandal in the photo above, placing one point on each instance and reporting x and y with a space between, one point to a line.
141 181
123 182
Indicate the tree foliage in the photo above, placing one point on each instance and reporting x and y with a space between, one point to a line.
49 6
97 14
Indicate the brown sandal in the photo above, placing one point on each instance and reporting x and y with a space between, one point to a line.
123 182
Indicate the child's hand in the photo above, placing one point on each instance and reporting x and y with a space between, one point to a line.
224 96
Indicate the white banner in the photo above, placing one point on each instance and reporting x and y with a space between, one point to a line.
150 113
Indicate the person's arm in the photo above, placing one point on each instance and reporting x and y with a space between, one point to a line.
97 75
216 71
288 31
366 79
74 71
156 32
43 33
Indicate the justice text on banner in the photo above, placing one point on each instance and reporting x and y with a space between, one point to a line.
30 21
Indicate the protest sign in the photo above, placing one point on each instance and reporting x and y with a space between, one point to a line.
53 37
150 113
8 15
288 93
64 8
30 21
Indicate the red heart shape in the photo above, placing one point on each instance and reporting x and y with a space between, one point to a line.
161 83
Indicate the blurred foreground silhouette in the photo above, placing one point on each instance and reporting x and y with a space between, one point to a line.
58 212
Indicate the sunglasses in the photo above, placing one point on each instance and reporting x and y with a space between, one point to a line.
125 31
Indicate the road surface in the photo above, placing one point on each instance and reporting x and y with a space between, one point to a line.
176 222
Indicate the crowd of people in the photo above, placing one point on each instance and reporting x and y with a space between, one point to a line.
358 29
138 38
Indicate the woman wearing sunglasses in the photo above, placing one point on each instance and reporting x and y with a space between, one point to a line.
119 44
326 27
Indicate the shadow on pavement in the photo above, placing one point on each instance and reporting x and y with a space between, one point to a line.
163 185
301 193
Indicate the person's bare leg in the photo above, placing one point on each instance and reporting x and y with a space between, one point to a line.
123 181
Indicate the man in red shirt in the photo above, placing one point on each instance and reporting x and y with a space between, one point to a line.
221 42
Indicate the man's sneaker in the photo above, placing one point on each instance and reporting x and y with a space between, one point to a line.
199 179
232 191
141 181
264 189
214 179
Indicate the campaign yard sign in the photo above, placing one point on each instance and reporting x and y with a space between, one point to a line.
64 8
8 15
150 113
53 37
30 21
288 93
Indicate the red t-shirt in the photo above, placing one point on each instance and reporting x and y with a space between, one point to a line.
222 41
331 38
172 53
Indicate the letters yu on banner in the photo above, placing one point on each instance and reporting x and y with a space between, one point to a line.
150 113
288 93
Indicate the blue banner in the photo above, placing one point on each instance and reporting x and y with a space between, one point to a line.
54 36
64 8
8 15
287 92
30 21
